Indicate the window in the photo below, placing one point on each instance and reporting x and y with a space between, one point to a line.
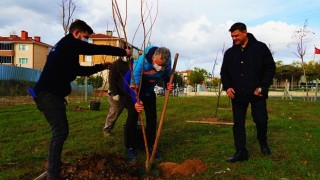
6 59
6 46
23 60
88 59
23 47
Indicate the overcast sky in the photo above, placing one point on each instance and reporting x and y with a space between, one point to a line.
196 29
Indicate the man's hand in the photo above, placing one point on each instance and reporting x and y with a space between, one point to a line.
169 87
139 106
258 92
116 98
107 65
230 93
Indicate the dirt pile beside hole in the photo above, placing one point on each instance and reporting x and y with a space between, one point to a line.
187 168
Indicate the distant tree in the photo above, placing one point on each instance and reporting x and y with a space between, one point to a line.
95 81
80 80
292 72
178 80
279 64
215 81
66 12
198 75
301 36
312 70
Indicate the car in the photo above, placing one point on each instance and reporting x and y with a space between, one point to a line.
159 90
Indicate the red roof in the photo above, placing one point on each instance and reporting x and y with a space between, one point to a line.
16 38
101 36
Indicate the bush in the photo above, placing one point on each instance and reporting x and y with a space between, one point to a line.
14 87
95 81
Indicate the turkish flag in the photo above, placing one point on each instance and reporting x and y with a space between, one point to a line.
316 50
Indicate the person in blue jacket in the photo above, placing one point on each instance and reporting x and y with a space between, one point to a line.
154 64
61 68
246 73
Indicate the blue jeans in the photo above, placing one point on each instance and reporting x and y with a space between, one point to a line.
54 110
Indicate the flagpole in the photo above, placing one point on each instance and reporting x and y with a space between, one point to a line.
314 53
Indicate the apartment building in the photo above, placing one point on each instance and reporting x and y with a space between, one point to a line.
30 52
23 51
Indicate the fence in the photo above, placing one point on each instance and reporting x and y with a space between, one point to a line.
297 92
15 81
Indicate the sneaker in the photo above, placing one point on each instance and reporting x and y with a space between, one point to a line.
131 157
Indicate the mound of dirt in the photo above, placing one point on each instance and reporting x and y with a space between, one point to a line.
111 166
185 169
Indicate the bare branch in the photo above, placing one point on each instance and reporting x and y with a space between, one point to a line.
68 8
300 37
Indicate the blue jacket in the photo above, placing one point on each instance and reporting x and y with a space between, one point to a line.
150 76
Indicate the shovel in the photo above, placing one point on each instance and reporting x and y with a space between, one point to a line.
148 175
155 146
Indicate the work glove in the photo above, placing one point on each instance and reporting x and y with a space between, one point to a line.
116 98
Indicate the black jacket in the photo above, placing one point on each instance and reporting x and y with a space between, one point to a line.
245 69
62 65
116 76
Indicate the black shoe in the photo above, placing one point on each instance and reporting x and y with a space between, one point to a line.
265 150
131 156
239 156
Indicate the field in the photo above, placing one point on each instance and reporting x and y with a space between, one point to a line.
294 136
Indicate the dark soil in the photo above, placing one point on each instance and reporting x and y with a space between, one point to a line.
99 166
114 167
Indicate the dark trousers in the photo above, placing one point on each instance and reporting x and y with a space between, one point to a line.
259 116
149 103
54 110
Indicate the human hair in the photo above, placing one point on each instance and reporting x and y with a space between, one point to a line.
238 26
164 53
81 26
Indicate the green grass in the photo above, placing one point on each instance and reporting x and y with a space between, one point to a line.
294 135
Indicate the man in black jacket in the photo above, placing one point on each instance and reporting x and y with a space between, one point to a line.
246 74
61 68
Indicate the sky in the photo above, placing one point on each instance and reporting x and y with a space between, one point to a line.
196 29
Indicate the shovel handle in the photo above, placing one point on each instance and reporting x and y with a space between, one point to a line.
155 146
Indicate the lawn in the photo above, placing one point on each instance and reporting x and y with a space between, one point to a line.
294 136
